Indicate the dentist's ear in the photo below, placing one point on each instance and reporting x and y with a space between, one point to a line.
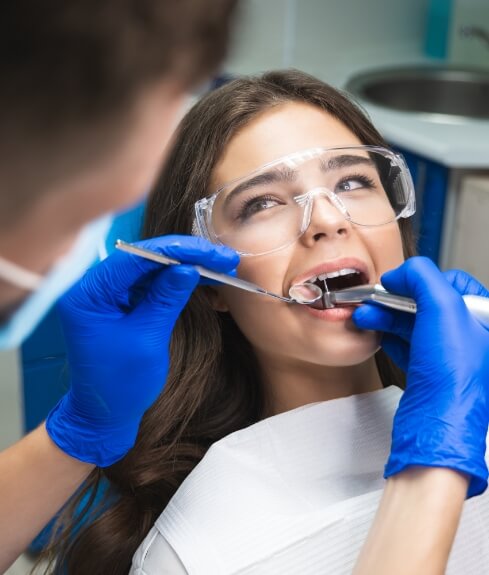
216 299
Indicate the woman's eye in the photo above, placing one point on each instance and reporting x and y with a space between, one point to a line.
350 184
256 205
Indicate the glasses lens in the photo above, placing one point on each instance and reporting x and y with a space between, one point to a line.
259 214
265 211
368 183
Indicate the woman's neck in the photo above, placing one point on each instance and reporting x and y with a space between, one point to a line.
292 384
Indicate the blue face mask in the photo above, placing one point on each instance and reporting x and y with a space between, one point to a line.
85 251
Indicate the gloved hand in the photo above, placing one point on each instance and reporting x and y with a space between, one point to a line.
443 416
118 348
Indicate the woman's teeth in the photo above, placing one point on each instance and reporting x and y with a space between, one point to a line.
331 275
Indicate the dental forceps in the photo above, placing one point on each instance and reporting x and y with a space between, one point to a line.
370 292
316 291
477 305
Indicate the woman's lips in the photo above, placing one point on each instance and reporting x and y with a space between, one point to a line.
332 314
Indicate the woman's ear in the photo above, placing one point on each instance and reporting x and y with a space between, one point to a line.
216 299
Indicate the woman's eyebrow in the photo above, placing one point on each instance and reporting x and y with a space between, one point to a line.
290 175
270 177
345 161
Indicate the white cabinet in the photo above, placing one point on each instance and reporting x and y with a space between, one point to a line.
469 241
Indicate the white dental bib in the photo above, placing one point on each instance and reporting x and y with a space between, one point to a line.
293 494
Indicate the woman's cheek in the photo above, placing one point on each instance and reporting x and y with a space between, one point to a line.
385 247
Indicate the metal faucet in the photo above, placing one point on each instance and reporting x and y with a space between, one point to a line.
475 32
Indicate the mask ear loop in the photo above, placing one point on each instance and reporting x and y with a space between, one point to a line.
19 276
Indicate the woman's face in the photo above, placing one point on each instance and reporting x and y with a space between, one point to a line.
296 334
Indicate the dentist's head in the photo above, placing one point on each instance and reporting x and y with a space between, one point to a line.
90 95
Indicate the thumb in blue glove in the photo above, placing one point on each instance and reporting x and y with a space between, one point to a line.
117 323
443 416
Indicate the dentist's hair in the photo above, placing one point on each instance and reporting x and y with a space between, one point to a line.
73 71
214 384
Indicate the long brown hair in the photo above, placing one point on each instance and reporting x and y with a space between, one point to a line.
213 386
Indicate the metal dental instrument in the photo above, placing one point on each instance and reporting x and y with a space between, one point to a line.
371 292
326 296
478 305
315 291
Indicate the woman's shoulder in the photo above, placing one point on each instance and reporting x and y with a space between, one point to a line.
156 556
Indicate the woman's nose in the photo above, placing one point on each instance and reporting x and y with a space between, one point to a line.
326 220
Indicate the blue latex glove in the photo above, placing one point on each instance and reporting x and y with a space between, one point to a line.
443 416
118 322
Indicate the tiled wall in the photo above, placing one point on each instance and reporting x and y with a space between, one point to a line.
469 51
322 35
260 36
338 33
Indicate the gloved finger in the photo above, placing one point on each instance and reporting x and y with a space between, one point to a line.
419 278
465 284
112 280
194 250
378 318
168 294
396 349
138 291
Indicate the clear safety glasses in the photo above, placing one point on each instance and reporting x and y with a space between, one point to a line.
270 208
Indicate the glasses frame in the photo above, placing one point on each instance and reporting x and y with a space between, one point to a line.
202 223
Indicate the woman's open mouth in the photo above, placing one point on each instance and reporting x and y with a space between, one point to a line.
336 280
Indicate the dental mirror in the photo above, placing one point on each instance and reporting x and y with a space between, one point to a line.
305 293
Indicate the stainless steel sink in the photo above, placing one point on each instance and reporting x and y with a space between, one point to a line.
427 90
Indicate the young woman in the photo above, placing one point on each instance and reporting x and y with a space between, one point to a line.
288 172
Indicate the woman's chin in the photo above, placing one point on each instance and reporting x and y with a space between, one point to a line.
348 349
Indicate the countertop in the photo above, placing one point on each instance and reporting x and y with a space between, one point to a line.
456 143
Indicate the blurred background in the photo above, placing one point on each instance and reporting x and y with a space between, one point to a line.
420 69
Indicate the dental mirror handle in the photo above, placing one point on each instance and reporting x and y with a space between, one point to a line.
237 282
203 271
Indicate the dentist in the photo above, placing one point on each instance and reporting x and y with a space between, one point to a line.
90 94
